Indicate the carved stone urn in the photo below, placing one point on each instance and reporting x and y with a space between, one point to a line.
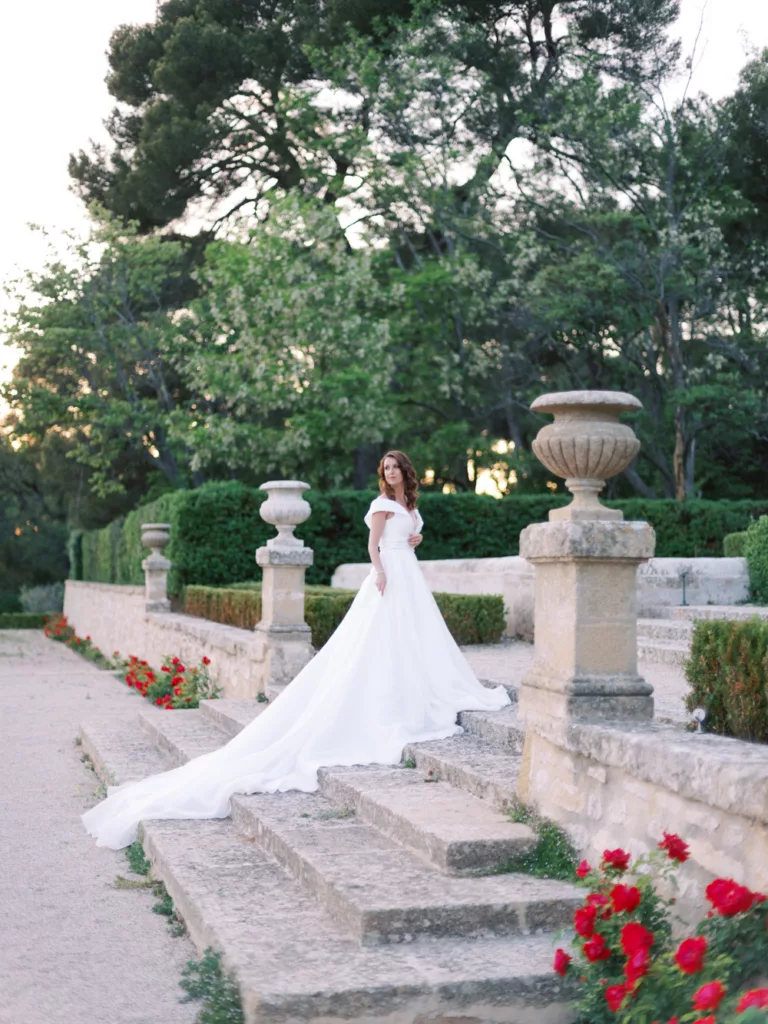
586 445
285 508
155 536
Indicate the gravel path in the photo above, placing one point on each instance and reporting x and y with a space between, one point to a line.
73 949
507 661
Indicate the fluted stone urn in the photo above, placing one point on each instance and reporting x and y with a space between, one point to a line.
285 509
155 536
586 445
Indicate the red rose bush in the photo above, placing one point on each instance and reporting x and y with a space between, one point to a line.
630 967
175 686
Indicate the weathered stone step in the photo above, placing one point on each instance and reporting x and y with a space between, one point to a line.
498 728
295 964
662 652
449 827
292 960
676 630
232 716
379 890
468 763
180 735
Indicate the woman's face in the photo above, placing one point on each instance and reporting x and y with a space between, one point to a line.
392 472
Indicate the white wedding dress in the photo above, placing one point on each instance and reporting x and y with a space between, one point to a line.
390 675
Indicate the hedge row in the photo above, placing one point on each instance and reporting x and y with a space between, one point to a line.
22 620
733 544
728 673
217 528
756 553
470 618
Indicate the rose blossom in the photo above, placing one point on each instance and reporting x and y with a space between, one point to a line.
675 847
625 898
618 859
634 936
561 961
728 897
596 949
584 921
757 998
709 996
637 965
690 955
614 996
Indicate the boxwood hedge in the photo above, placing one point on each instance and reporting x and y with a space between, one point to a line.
217 528
470 618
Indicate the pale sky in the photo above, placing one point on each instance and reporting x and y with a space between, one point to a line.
52 68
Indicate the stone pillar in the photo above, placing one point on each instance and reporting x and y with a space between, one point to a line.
284 561
586 557
155 536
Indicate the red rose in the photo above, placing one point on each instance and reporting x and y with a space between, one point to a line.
690 955
561 961
582 870
158 702
634 936
180 667
597 899
625 898
617 859
637 965
207 661
177 681
164 668
709 996
758 998
728 897
614 996
675 847
709 1019
596 949
584 921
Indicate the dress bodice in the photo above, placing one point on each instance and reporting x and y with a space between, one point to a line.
399 527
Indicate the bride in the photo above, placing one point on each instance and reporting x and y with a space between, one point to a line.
390 675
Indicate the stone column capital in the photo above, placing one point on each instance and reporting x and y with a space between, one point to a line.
279 556
596 539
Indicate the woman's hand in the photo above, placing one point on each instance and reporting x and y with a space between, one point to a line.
381 582
415 539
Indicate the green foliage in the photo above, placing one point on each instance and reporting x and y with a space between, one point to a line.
756 554
137 860
554 855
733 544
470 618
728 673
22 620
216 529
205 980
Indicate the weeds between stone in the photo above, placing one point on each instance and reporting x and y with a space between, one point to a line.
204 979
553 856
410 763
140 865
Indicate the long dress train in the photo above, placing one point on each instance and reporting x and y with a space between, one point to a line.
390 675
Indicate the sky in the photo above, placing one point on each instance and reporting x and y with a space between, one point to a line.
52 69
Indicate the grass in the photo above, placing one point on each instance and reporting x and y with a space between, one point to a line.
554 856
410 763
137 860
205 980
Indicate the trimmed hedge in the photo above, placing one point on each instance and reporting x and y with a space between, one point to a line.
728 673
756 554
470 618
23 620
217 528
733 544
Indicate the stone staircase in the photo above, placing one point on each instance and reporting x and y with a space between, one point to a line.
666 638
380 898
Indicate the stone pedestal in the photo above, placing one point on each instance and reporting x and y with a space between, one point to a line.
585 666
286 638
156 566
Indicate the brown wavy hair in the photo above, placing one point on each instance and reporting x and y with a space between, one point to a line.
410 480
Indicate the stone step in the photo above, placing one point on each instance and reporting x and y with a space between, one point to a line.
497 728
457 832
230 715
379 890
292 960
677 630
468 763
374 885
662 652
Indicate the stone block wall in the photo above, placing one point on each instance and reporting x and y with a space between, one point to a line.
624 785
115 619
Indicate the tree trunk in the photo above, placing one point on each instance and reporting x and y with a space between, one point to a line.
366 462
679 456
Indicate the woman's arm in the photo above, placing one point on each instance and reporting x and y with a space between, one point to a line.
378 519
